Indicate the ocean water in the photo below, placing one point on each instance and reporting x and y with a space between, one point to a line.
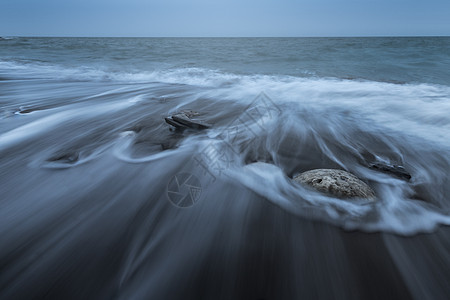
92 204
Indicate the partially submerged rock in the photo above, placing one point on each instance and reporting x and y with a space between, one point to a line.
171 121
395 170
185 119
67 158
338 183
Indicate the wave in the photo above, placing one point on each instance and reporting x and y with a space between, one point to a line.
323 122
416 109
398 209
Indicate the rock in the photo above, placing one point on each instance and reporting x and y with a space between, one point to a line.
190 113
338 183
24 111
185 120
397 171
67 158
171 121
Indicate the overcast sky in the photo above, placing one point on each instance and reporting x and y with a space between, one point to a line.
224 17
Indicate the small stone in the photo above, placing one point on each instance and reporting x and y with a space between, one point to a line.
171 121
397 171
68 158
191 123
184 120
338 183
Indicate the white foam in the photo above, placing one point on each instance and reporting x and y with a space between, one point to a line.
44 124
416 115
394 211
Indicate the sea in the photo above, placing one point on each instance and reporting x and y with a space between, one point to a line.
100 198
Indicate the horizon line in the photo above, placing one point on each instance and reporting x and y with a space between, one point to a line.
306 36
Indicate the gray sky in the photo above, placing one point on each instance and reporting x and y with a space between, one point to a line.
224 17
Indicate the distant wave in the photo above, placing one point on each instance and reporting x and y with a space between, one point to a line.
417 109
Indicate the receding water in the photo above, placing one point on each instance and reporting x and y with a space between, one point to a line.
89 170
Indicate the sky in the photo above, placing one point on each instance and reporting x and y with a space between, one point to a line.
218 18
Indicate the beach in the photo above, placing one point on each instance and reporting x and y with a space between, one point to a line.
94 204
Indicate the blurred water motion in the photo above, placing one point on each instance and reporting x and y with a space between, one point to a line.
93 181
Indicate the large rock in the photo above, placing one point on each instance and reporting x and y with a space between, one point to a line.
338 183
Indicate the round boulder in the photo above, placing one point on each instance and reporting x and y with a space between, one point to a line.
338 183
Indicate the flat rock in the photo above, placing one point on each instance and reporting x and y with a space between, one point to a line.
397 171
338 183
68 158
171 121
185 120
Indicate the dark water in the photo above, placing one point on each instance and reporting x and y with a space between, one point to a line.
89 169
